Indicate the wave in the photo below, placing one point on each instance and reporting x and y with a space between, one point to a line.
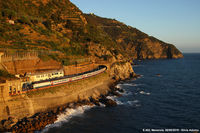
145 93
119 102
102 105
112 97
66 116
118 86
136 65
135 103
127 84
132 102
127 93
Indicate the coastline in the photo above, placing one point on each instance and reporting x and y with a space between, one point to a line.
40 120
51 101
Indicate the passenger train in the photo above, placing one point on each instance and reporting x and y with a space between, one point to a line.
62 80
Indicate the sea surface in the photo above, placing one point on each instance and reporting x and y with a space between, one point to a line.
167 96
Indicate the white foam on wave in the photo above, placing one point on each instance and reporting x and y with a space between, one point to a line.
145 93
132 102
119 102
141 76
115 98
127 84
135 103
118 86
66 116
127 93
102 105
136 65
112 97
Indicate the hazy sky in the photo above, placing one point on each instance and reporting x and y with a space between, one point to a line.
173 21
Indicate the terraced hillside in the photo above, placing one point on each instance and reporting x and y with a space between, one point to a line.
58 25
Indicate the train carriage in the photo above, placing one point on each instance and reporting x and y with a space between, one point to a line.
65 79
42 84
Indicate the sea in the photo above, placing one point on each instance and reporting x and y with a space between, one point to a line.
166 98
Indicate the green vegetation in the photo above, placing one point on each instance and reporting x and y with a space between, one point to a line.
5 74
59 25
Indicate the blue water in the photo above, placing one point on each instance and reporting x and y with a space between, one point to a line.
170 100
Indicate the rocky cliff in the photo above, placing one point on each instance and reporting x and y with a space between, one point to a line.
121 71
132 42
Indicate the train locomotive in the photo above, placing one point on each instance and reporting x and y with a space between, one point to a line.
65 79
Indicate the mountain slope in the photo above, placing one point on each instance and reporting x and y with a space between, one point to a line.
134 42
58 25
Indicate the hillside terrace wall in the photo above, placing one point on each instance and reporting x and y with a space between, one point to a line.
73 69
15 57
30 65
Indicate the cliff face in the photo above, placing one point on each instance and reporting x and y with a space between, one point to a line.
121 70
132 42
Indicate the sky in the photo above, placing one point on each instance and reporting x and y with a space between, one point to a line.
173 21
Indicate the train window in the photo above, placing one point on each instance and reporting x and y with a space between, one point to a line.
10 88
14 90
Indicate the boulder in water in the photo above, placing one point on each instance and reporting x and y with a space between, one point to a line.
108 102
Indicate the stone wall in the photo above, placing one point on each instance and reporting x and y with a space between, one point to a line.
25 56
28 104
25 105
73 69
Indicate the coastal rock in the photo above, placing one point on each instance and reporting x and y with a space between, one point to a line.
158 75
96 102
1 127
121 70
114 93
108 102
120 90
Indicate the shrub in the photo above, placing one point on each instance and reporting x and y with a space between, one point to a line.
24 20
5 74
8 13
47 24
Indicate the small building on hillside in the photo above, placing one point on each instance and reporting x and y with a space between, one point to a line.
38 76
14 86
10 87
11 22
